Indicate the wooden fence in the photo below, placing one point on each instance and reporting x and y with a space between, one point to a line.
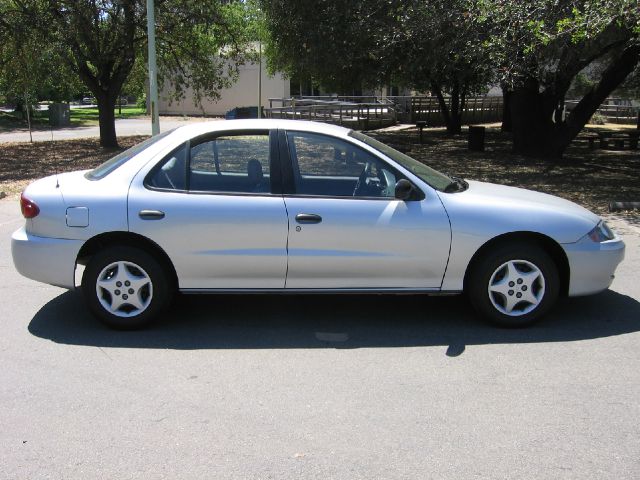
362 115
369 112
476 110
621 114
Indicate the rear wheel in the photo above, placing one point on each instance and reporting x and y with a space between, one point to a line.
125 287
513 286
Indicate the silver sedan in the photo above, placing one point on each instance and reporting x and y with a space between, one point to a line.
294 207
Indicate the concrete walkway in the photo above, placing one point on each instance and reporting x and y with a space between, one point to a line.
124 128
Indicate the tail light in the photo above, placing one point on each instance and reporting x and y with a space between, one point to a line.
28 207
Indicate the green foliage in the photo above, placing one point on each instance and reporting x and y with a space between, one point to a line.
346 45
30 67
630 88
338 43
442 47
545 38
597 119
135 84
542 51
103 44
142 102
580 85
201 45
435 45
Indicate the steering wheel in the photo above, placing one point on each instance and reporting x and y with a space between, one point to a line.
362 179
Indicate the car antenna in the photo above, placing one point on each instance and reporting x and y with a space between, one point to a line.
57 167
56 161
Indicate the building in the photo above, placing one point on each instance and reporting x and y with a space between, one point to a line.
243 93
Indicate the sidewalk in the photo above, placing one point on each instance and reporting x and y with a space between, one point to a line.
124 128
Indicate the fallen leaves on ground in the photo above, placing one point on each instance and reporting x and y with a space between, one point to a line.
592 178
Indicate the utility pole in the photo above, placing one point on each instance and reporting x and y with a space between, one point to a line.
260 79
153 73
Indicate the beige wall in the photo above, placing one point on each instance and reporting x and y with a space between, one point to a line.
243 93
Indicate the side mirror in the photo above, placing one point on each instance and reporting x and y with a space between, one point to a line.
404 189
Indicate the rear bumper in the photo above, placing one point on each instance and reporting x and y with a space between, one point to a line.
46 260
592 264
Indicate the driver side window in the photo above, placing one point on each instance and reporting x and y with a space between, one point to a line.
327 166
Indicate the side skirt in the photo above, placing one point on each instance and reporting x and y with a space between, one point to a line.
313 291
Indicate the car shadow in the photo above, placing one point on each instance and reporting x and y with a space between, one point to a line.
331 321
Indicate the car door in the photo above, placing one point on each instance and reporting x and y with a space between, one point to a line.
347 229
214 205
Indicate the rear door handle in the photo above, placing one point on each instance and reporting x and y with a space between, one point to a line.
308 218
151 214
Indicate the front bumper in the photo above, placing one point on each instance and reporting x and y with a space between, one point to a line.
592 265
47 260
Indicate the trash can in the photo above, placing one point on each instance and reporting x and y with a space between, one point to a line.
476 138
59 115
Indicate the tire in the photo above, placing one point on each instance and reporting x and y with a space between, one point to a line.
514 285
125 287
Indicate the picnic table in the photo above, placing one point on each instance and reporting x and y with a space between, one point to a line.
612 140
616 140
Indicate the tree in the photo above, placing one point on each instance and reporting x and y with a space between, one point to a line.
199 44
435 45
630 88
541 48
331 41
30 69
441 49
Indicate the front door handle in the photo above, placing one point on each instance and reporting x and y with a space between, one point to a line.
308 218
151 214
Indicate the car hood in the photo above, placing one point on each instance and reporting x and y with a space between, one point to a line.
490 193
496 209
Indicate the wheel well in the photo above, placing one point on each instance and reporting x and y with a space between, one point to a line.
104 240
550 246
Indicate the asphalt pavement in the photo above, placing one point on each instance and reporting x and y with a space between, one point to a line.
328 387
124 127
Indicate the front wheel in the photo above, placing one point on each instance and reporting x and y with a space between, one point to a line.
513 286
125 287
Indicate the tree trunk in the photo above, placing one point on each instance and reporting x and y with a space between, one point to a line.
444 108
451 116
106 115
538 127
534 132
507 123
455 117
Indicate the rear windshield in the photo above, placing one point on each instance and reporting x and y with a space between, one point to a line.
113 163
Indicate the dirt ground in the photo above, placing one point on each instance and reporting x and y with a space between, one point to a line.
21 163
592 178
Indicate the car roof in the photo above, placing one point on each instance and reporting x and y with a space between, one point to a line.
201 128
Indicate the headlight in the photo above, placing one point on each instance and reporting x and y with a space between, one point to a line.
601 232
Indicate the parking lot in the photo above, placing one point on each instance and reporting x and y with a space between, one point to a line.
318 386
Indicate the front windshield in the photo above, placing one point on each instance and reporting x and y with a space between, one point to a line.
113 163
432 177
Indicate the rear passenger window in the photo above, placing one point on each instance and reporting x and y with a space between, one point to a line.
172 174
232 163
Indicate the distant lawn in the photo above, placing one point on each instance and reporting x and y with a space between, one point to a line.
79 117
89 116
11 120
